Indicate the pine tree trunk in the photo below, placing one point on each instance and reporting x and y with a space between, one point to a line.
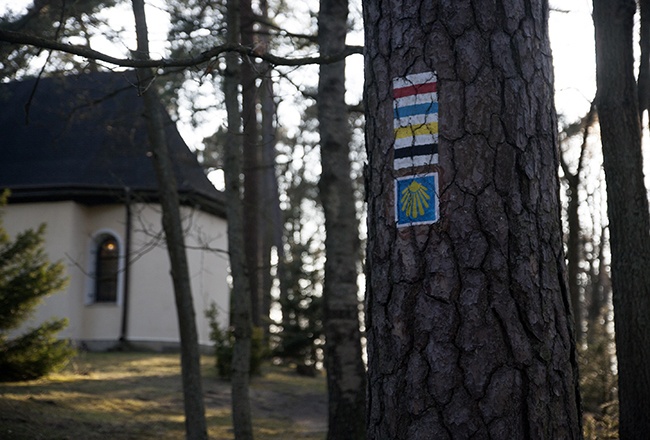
627 200
343 362
252 167
600 290
574 251
468 316
195 423
241 320
271 212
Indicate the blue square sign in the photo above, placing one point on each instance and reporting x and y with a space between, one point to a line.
416 200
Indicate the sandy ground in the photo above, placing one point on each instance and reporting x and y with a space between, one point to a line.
302 406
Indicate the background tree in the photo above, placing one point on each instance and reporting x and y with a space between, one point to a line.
343 362
26 277
588 273
270 198
241 299
195 424
300 336
573 240
627 200
257 257
468 319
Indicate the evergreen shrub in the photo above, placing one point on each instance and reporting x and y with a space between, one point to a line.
224 341
26 276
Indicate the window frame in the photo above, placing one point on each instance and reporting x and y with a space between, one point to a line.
93 286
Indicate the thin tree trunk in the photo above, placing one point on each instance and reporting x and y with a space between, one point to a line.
272 214
468 314
574 252
345 369
600 288
627 200
241 301
195 424
252 163
271 222
574 245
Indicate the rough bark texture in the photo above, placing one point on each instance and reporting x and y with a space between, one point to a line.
241 320
468 319
343 362
195 424
629 220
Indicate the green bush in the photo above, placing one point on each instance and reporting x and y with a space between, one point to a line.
224 340
35 353
26 276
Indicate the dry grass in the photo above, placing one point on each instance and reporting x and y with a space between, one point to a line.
139 396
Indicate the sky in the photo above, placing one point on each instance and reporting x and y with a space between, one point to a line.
574 58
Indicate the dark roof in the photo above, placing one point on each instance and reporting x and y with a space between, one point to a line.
84 138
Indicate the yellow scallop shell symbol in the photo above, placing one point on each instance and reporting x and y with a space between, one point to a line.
415 199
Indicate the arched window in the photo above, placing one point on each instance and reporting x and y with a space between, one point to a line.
106 269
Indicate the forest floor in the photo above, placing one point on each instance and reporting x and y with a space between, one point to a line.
138 396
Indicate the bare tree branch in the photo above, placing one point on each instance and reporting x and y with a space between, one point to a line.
203 57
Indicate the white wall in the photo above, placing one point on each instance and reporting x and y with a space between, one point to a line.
64 239
151 305
209 269
101 321
151 287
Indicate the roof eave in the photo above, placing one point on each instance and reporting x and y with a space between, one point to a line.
105 195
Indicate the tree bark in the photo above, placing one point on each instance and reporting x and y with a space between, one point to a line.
252 164
468 315
629 220
195 424
271 212
343 361
241 319
271 221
